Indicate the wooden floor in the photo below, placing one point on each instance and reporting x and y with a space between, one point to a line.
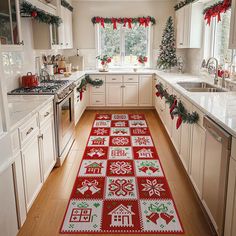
46 214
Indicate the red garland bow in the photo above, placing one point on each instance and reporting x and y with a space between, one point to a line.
216 11
179 122
172 108
114 21
129 21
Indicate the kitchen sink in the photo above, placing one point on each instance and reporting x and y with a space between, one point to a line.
200 87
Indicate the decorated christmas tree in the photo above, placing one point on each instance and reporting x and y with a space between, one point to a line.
167 57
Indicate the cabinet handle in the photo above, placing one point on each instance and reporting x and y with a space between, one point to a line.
97 101
40 136
113 79
29 131
130 78
181 43
46 114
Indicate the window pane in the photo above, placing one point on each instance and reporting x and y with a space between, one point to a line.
221 52
110 43
136 43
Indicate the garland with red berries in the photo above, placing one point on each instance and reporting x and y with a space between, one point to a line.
29 10
83 85
216 10
142 21
176 107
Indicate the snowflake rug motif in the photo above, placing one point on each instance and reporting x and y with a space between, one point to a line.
121 187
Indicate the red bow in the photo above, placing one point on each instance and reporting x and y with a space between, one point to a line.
129 21
114 21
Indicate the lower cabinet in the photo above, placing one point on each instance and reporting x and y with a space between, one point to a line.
145 90
130 94
230 216
48 155
114 94
197 158
8 215
32 170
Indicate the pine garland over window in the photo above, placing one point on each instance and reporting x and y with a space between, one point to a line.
67 5
182 4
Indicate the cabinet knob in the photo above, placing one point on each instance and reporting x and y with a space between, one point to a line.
21 43
181 43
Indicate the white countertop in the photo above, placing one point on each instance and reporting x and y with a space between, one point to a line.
22 107
220 106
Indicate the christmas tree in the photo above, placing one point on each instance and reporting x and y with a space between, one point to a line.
167 57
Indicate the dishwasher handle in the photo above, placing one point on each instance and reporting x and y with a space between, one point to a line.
217 132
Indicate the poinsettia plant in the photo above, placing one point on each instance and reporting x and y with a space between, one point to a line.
142 59
105 59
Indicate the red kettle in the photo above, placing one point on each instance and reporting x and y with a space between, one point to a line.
29 80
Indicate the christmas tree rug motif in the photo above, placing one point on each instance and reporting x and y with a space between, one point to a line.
120 186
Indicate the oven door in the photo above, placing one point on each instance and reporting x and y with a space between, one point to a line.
65 124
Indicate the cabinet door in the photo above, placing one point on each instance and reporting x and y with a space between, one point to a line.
230 216
168 120
114 94
232 38
130 97
8 216
48 147
145 90
179 15
68 29
32 170
197 158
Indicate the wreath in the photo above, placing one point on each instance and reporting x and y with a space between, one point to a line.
176 107
87 80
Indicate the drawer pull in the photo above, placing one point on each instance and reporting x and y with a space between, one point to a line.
113 79
130 78
29 131
40 136
97 101
46 114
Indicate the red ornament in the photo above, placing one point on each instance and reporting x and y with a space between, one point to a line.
34 14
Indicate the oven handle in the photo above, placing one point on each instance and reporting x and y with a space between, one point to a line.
68 95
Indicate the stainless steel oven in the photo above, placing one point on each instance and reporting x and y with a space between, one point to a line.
65 125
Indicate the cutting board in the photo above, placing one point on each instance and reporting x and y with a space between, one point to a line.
77 61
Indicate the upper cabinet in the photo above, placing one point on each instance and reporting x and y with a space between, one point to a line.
10 31
189 26
232 38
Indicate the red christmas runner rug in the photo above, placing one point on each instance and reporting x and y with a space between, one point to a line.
120 186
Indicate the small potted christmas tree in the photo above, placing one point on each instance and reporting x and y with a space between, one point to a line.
167 58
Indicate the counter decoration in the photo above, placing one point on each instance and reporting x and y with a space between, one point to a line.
176 107
105 60
127 21
29 10
83 85
142 60
167 57
216 10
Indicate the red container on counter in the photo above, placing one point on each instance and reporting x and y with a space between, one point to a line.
29 80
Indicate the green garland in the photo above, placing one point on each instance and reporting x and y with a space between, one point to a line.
67 5
176 108
29 10
87 80
182 4
189 118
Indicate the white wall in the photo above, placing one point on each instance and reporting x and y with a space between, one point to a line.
84 31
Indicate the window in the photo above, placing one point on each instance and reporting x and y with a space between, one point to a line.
217 39
124 45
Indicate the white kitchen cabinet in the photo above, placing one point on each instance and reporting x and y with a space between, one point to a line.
32 169
230 216
168 122
197 158
186 138
189 26
232 37
130 94
8 215
68 35
47 139
114 94
145 90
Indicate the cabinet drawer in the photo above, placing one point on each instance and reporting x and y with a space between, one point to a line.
45 113
97 89
97 100
27 130
114 78
130 78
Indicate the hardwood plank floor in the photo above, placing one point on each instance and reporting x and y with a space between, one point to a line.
46 215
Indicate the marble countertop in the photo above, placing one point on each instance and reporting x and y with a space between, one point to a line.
22 107
220 106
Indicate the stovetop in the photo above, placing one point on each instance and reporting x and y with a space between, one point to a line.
47 87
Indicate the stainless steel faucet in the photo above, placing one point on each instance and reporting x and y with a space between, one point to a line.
44 75
216 69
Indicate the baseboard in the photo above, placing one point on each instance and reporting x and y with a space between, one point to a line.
120 108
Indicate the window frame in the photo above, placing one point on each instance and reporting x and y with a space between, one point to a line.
122 46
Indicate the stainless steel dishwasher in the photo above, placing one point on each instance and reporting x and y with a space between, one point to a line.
215 173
